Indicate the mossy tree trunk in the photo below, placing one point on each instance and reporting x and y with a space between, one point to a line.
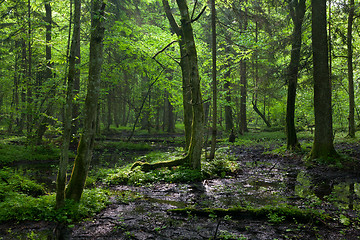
191 82
297 12
185 70
84 152
68 108
195 148
323 146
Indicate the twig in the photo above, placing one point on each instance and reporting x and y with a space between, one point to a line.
217 228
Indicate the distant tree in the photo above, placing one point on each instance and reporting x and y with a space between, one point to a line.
323 146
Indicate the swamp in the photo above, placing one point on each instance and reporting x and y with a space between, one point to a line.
253 189
181 119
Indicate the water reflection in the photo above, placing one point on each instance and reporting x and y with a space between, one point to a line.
343 195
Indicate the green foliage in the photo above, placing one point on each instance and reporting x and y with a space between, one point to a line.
266 138
14 181
19 206
136 176
222 165
23 199
12 153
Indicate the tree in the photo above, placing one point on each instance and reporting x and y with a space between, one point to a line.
323 140
297 12
191 80
351 117
84 151
68 108
214 82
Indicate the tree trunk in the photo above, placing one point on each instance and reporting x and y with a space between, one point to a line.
29 97
323 140
243 96
228 110
262 115
170 119
68 109
44 121
191 82
185 69
350 71
214 82
297 13
84 152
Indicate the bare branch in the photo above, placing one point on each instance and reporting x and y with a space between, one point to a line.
164 48
202 11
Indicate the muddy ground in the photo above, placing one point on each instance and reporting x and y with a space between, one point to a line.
264 180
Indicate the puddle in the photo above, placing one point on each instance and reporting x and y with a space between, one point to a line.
343 195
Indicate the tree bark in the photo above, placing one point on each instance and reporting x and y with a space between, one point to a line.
185 69
214 82
68 109
350 70
191 83
243 96
84 152
323 140
297 12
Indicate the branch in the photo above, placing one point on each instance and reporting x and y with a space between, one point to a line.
170 17
192 15
164 48
202 11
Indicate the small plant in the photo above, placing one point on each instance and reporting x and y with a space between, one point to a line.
274 217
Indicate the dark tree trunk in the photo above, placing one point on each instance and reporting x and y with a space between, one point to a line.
84 152
214 82
229 123
350 70
323 141
243 96
297 12
170 118
29 85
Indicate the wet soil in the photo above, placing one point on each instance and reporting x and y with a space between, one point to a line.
264 180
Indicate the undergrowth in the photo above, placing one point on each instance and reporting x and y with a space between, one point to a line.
221 166
13 153
23 199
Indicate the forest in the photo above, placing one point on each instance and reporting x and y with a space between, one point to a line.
179 119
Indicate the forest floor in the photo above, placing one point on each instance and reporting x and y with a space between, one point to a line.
264 179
